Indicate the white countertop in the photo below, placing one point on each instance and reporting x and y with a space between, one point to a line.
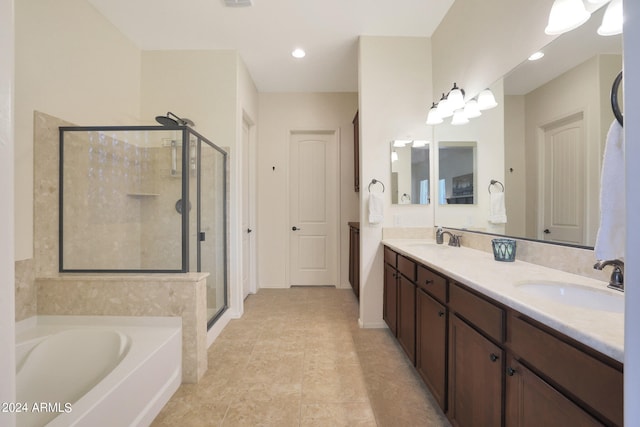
601 330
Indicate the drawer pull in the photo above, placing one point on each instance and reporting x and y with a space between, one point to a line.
440 313
510 371
493 357
428 282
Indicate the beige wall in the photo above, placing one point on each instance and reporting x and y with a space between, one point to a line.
514 158
394 96
279 114
71 63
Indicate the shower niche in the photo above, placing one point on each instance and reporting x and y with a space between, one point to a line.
144 200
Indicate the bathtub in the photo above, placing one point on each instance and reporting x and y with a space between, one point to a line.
95 370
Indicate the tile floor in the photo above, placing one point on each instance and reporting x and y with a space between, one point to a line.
298 358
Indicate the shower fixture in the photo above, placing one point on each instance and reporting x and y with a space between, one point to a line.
168 121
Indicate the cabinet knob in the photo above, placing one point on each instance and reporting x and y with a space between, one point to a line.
428 282
493 357
440 313
510 371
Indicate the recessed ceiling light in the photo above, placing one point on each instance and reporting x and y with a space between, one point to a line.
298 53
536 56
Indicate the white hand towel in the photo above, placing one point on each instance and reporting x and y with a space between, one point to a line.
611 234
376 208
497 210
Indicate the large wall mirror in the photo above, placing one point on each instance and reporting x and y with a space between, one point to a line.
410 172
547 140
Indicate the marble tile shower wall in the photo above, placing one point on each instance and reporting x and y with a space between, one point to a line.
40 289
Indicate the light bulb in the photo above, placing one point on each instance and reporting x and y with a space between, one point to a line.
455 99
486 100
566 15
471 109
434 118
459 118
612 20
443 108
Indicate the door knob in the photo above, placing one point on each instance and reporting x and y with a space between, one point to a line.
294 228
249 230
510 371
546 231
493 357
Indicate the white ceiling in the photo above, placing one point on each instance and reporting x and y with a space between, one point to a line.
266 33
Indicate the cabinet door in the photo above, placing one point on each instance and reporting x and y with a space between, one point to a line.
531 402
407 317
390 298
475 378
431 344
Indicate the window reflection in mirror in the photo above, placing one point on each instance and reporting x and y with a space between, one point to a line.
457 173
410 173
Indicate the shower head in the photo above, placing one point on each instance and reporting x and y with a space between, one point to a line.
168 121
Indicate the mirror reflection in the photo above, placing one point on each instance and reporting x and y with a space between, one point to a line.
456 177
410 172
554 117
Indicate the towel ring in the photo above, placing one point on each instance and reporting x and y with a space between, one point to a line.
615 106
373 182
494 182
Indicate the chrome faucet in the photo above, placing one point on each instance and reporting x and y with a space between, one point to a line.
454 240
617 275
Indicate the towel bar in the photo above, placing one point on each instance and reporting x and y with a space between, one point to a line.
493 182
373 182
614 98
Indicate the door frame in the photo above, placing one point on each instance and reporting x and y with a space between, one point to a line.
337 204
251 186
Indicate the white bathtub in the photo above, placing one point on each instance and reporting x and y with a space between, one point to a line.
95 370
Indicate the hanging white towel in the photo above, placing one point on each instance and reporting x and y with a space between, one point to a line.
376 208
497 210
611 234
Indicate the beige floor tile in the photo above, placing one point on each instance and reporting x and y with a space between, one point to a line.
297 357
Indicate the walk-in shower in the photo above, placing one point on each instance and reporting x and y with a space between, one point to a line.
144 199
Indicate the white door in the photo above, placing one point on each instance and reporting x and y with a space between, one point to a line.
313 209
246 211
563 181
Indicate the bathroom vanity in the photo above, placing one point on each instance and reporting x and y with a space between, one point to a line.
493 349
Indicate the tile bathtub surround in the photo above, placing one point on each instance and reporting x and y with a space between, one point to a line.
565 258
136 295
298 358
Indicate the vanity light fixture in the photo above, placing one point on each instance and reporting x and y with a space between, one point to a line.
612 20
566 15
455 98
443 107
486 100
535 56
434 117
298 53
471 109
459 118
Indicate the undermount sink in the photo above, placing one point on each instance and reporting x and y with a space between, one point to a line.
425 245
575 295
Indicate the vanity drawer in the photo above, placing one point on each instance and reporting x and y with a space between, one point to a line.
590 380
407 268
432 283
390 256
486 316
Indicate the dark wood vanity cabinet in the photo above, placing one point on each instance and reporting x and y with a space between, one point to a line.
489 365
431 344
530 401
390 292
354 257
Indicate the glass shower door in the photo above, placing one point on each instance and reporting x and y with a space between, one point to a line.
212 226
